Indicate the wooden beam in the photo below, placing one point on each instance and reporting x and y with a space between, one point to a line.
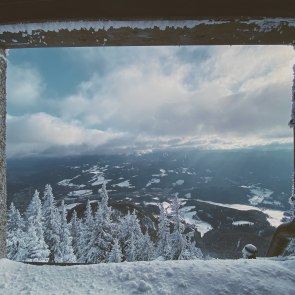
2 153
152 32
13 11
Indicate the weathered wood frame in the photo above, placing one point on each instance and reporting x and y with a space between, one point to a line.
2 153
277 26
210 31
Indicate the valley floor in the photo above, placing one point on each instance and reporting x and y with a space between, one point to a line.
261 276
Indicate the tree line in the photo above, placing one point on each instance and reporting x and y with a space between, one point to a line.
42 234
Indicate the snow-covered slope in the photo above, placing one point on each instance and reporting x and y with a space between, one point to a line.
261 276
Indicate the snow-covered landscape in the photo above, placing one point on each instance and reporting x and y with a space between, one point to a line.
162 176
193 277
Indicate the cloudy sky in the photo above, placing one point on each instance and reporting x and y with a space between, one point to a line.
122 99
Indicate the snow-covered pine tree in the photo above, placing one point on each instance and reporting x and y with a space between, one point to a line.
104 203
147 248
65 245
102 236
130 248
51 224
36 247
76 231
290 250
190 251
16 248
164 243
34 215
115 255
178 240
130 236
183 247
87 225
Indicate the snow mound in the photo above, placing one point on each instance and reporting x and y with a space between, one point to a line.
193 277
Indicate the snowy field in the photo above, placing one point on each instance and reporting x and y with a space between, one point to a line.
211 277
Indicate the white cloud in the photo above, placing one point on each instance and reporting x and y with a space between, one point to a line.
234 85
25 86
149 98
37 133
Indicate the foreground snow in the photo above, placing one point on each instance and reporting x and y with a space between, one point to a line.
261 276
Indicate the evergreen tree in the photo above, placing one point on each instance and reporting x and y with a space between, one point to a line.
164 242
116 252
16 248
190 251
51 223
178 239
36 247
102 234
147 248
87 226
182 246
34 215
66 251
290 249
13 218
54 236
130 236
106 210
130 248
76 231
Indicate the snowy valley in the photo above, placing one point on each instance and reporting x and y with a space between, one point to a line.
221 193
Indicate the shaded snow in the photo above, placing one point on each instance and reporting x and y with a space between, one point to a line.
98 175
179 182
80 193
151 203
258 194
274 216
206 179
99 180
188 195
67 182
167 207
153 180
125 183
190 216
242 222
71 206
162 173
194 277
